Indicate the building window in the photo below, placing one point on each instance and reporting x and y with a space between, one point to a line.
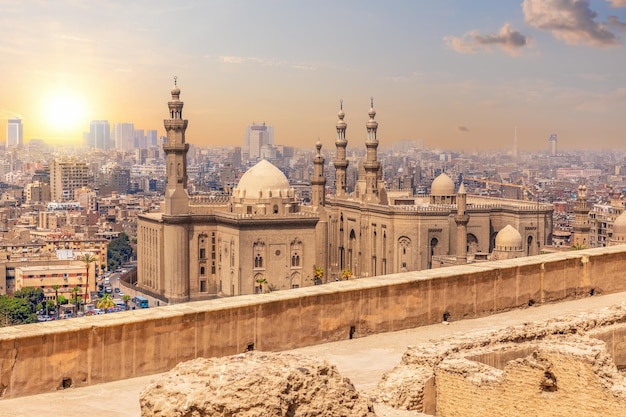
202 270
202 286
258 261
202 253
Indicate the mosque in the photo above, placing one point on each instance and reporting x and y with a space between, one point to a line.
261 238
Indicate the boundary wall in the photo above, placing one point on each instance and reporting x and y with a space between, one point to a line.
43 357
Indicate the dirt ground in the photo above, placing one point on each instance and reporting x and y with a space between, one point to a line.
363 360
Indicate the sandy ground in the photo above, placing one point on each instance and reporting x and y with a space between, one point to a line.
363 360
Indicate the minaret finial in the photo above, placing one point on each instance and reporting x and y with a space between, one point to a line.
340 104
175 78
372 101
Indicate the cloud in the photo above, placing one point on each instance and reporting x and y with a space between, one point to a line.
463 129
618 3
571 21
507 39
229 59
615 22
75 38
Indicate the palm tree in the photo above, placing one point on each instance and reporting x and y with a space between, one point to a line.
126 299
56 287
261 281
76 297
87 258
105 302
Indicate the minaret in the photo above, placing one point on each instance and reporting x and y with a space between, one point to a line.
318 180
461 218
581 219
340 162
176 197
371 164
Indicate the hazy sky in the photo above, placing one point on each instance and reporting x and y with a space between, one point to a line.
456 74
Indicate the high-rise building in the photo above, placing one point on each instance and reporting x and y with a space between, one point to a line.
15 133
99 134
151 138
140 139
552 141
124 136
66 175
256 137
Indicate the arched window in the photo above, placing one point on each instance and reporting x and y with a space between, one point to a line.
202 271
275 209
296 251
258 250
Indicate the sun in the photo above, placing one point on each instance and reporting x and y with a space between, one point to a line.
64 112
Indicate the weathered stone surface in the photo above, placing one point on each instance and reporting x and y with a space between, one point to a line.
254 384
472 355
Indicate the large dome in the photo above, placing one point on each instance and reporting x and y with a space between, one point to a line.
260 179
509 239
442 186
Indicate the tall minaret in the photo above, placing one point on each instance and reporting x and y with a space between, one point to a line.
581 219
371 164
461 218
340 162
176 197
318 180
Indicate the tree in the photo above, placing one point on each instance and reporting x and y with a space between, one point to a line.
318 274
106 301
75 296
346 274
87 258
261 281
577 246
56 287
32 296
126 299
119 251
15 310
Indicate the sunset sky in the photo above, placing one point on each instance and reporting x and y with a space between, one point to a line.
456 74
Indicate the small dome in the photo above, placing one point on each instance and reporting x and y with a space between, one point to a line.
619 226
508 239
260 178
442 186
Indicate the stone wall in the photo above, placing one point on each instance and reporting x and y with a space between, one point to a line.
42 357
564 376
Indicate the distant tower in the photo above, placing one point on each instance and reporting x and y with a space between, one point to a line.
340 162
581 218
515 152
176 197
318 180
371 164
461 219
124 136
552 141
15 133
99 134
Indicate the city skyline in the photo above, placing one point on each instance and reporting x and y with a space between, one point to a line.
455 75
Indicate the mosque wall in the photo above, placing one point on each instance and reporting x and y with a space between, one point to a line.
39 357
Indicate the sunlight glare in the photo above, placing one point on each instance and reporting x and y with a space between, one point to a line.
63 111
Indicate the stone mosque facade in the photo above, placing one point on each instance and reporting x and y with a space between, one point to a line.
261 238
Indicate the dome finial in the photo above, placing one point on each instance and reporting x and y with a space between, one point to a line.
175 79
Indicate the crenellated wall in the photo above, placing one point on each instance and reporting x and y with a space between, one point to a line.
42 357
